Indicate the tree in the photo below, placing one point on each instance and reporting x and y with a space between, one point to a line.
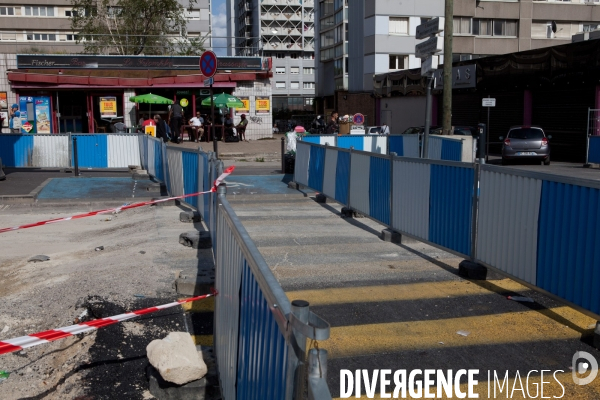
133 27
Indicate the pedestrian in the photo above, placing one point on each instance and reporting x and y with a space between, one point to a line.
161 128
142 119
241 127
333 127
176 119
385 130
14 122
198 122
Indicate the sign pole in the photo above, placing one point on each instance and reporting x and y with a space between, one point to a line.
208 66
213 119
487 136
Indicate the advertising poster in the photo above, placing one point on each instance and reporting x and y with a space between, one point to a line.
42 115
3 100
108 107
246 108
150 130
263 105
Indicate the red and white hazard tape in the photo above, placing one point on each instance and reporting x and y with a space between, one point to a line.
220 179
23 342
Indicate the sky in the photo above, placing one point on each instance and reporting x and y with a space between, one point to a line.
219 27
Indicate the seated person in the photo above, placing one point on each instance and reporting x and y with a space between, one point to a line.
198 121
275 129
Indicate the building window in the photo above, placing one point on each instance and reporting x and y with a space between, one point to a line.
461 25
398 61
308 71
309 101
40 11
294 70
295 85
7 11
338 67
280 55
398 25
589 27
294 56
308 85
280 70
309 56
280 85
501 27
41 37
8 36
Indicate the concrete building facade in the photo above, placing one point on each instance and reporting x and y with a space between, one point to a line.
284 31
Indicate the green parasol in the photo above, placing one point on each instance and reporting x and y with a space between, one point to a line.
150 99
224 100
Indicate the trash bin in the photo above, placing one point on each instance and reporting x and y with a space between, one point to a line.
290 163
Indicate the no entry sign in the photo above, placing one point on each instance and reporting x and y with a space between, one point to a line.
208 64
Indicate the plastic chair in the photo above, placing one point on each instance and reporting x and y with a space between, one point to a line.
98 129
120 127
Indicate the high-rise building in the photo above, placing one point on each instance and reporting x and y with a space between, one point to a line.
283 30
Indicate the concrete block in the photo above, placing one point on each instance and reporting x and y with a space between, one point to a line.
176 359
350 213
154 187
194 286
321 198
206 388
132 168
196 240
470 270
166 203
190 216
293 185
138 175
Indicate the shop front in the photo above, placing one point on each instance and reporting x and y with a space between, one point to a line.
89 94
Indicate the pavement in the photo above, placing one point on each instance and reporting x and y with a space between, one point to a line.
404 306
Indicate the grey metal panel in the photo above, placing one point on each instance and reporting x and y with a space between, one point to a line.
508 223
302 160
360 165
175 172
328 139
330 172
375 144
50 151
123 151
435 148
228 277
410 210
411 146
151 158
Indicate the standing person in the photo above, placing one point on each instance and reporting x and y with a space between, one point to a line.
161 128
385 130
142 119
176 119
241 127
333 127
14 122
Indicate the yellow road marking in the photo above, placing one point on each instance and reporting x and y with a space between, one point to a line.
206 305
519 327
203 340
412 291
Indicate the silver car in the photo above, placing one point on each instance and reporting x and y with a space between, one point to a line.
526 142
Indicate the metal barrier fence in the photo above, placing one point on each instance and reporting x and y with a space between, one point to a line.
459 148
593 155
259 338
540 229
55 151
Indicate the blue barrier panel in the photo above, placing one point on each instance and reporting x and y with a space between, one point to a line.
316 168
380 187
356 141
16 150
451 150
342 177
262 351
594 150
396 145
190 176
312 139
450 203
92 151
158 161
568 251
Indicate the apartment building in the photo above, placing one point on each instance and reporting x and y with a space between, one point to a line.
283 30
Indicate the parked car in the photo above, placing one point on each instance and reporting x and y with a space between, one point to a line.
526 142
418 130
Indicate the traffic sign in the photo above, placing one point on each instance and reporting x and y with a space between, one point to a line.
208 64
358 119
487 102
208 82
429 65
431 46
429 28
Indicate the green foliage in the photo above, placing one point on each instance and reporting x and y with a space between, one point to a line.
133 27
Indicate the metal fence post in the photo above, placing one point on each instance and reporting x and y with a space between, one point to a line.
75 159
475 211
391 157
300 308
587 136
349 176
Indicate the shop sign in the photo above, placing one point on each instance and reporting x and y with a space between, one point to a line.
462 77
263 105
108 107
3 100
246 108
42 115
